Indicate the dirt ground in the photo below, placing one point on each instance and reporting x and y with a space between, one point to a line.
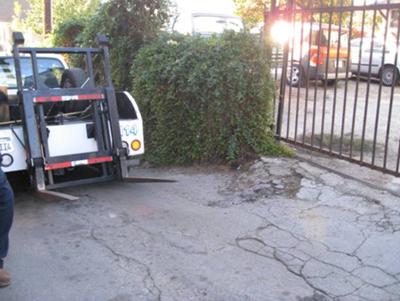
277 230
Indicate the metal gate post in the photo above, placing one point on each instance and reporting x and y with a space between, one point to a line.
288 17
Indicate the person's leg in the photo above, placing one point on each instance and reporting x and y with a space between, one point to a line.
6 219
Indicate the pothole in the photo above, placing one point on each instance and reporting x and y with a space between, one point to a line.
263 180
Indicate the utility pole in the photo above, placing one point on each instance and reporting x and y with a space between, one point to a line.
47 17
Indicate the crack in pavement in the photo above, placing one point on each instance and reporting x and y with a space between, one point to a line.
318 229
148 281
329 270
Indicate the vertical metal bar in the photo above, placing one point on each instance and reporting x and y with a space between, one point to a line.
338 52
298 89
291 73
43 131
307 81
113 117
100 131
316 82
31 137
50 177
326 81
346 85
276 58
35 70
368 88
275 77
379 92
398 159
283 78
18 73
357 82
89 65
389 123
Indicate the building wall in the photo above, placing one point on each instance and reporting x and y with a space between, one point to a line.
6 16
7 9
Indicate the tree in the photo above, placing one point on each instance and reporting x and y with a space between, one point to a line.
252 11
129 24
61 10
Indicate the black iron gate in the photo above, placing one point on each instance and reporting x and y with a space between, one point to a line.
338 81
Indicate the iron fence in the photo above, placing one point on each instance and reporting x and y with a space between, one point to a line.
338 82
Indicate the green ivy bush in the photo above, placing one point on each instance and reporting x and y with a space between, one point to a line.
205 99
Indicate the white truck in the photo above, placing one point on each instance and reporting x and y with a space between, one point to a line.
62 125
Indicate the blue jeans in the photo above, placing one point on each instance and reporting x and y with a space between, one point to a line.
6 214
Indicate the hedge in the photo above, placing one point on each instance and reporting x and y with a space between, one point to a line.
205 99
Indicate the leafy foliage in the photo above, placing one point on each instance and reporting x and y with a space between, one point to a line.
61 10
129 24
205 99
252 11
68 33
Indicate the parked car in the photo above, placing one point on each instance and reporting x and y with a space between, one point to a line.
50 68
317 56
382 66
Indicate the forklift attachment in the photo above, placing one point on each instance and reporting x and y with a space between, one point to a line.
55 196
75 127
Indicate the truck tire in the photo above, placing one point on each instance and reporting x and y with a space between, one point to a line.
389 75
74 78
295 76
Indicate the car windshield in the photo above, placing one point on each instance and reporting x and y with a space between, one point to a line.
45 65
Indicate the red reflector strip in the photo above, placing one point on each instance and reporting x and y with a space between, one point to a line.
90 161
100 160
42 99
57 165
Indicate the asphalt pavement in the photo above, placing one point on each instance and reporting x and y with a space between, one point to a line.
278 230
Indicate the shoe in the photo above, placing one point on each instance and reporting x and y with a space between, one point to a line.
5 279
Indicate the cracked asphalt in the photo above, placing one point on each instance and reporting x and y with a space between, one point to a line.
277 230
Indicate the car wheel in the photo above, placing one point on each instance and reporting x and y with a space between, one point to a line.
389 75
295 76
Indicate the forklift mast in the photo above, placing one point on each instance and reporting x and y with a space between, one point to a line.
110 156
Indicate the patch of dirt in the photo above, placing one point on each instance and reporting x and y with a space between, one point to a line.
266 178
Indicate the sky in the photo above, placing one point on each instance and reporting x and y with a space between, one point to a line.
187 7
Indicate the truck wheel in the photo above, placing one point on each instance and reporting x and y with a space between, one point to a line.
389 75
74 78
295 76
